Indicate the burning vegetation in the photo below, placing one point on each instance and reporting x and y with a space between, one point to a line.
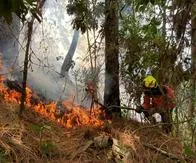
81 135
69 115
66 113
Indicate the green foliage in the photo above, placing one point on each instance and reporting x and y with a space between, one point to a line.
143 44
36 127
3 158
142 5
47 148
124 113
39 128
151 28
20 8
146 42
188 151
107 127
86 13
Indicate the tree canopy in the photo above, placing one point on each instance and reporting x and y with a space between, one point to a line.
20 8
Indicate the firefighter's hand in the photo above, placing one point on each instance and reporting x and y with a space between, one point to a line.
140 109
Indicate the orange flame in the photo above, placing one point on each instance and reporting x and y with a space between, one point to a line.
74 114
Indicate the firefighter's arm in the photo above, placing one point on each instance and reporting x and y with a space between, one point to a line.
145 106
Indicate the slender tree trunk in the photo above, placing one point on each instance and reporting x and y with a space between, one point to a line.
26 63
192 110
94 36
89 49
164 21
68 59
193 55
26 60
177 122
111 90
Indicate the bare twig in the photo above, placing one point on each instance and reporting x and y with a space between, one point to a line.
121 107
82 149
111 107
159 124
165 153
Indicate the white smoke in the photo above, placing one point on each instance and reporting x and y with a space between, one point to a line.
50 43
9 35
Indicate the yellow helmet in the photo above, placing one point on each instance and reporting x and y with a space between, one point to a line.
150 82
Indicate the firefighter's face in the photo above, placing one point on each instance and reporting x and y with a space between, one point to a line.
147 90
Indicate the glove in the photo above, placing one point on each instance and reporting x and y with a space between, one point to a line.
140 109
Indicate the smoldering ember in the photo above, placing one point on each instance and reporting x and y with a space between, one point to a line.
97 81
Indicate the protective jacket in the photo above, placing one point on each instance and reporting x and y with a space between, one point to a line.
162 97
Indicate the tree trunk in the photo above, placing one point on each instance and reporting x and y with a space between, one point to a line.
192 110
26 63
111 90
26 60
68 59
193 56
164 20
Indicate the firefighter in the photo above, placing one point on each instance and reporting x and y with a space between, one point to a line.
157 99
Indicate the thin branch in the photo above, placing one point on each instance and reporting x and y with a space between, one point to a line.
159 124
111 107
165 153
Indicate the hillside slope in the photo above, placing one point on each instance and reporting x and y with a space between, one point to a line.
35 139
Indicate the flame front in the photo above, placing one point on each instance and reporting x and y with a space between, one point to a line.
74 114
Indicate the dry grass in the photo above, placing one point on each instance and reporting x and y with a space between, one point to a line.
136 142
35 139
12 131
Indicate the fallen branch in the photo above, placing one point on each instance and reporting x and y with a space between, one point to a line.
163 152
100 142
113 106
121 107
158 124
82 149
